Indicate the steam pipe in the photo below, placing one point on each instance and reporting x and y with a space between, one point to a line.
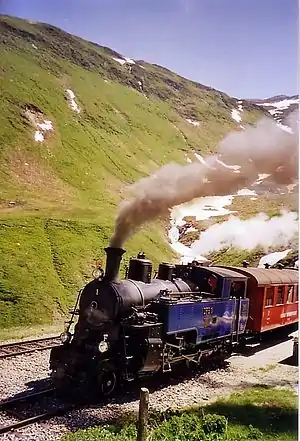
113 261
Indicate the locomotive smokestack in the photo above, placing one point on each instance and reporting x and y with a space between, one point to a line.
113 260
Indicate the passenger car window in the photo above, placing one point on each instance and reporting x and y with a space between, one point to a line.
290 294
269 296
280 295
295 293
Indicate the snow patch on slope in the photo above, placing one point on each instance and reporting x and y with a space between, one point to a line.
194 122
261 178
277 110
235 114
119 60
281 105
201 159
46 126
285 128
202 208
273 258
38 136
124 60
71 97
246 192
187 254
235 168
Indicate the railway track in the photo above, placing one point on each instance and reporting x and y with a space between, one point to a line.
32 408
24 347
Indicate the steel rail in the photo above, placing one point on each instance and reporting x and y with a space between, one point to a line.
8 405
24 347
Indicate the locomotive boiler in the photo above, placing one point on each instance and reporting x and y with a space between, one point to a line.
142 325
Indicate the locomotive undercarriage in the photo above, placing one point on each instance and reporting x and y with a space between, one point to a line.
197 356
145 350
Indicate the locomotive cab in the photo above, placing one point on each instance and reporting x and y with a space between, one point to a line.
218 282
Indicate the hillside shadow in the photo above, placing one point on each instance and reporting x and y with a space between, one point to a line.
265 416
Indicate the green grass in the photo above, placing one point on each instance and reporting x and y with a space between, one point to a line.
66 190
260 413
50 260
235 257
271 204
30 332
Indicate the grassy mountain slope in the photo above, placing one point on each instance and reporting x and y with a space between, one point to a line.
59 197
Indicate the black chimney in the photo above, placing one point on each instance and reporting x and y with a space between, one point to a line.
113 260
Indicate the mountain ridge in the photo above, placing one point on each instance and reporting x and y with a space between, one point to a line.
274 98
8 26
77 127
280 107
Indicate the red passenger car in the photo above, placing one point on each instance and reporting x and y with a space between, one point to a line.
273 295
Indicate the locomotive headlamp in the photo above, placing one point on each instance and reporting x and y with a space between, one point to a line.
65 337
103 345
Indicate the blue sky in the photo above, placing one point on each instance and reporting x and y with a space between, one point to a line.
247 48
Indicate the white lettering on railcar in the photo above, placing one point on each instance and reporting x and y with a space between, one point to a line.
288 314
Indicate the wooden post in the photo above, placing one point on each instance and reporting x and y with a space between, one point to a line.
143 415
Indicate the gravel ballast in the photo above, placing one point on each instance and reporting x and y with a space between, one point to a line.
24 372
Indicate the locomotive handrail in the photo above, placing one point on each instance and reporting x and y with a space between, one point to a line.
74 312
179 293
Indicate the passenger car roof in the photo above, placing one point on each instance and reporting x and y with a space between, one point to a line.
270 276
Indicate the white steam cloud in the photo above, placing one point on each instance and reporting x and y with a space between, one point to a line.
248 234
264 148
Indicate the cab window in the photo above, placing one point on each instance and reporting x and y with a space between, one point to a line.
280 295
290 297
237 289
269 296
295 293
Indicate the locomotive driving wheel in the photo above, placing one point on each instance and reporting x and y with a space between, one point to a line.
106 378
107 382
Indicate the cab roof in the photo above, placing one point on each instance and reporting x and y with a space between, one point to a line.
225 273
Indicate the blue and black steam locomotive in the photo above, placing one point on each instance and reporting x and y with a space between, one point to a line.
141 325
